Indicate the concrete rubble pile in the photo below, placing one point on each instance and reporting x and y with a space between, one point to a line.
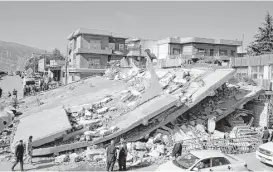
92 121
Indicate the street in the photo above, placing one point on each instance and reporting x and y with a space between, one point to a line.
8 83
252 162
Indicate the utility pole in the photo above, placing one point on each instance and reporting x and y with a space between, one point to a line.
243 44
66 64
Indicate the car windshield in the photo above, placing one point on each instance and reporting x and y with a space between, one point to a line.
186 161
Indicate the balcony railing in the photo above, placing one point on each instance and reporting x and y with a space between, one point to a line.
94 51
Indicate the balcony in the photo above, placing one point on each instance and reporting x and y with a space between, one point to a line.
93 51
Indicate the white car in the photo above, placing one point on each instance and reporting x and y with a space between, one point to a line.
265 153
204 160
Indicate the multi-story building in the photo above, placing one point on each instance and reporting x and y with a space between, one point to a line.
258 68
91 50
194 47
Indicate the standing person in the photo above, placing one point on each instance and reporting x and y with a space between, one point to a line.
29 150
14 93
177 150
266 135
111 156
1 92
122 155
19 154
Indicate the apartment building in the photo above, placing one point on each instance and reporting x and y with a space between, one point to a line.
258 68
91 50
195 47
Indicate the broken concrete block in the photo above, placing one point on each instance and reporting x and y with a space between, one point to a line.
160 149
158 137
166 139
106 100
74 157
90 153
135 93
61 159
87 113
154 153
98 158
219 111
200 128
150 143
102 110
112 109
114 129
192 123
104 132
129 157
140 146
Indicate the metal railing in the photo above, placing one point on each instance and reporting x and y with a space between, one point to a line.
229 146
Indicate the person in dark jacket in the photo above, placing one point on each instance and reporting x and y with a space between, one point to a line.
111 156
19 154
177 150
266 135
14 93
122 155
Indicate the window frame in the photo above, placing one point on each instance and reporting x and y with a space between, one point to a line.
201 161
258 72
228 162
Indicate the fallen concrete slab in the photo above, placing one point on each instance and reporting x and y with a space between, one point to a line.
211 81
45 126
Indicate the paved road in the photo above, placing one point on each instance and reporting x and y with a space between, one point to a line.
253 164
8 83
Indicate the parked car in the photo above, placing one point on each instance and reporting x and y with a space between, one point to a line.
204 160
265 153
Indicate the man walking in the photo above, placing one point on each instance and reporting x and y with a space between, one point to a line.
29 150
111 156
266 135
19 154
122 155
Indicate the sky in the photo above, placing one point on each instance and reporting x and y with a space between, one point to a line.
46 25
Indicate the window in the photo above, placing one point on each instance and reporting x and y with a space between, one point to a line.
271 72
257 72
203 164
223 52
111 46
232 53
187 161
95 44
219 161
121 47
176 51
211 52
242 72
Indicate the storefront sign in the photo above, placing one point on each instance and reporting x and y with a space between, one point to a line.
41 65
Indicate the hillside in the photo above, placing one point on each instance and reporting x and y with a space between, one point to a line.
13 55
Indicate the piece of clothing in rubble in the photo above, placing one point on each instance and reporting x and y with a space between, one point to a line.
177 150
122 157
266 136
1 92
111 157
19 154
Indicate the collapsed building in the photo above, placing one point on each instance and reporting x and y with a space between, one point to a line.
171 104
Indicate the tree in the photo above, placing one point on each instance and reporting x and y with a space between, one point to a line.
263 40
